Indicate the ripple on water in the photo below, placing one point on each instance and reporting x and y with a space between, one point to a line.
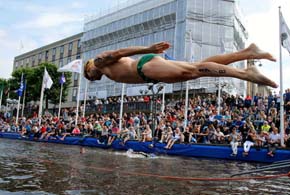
19 177
2 192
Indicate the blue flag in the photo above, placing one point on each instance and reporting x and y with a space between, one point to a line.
62 79
21 87
167 57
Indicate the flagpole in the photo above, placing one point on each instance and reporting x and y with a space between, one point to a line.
187 83
18 107
121 106
85 98
219 96
1 95
23 102
281 83
60 98
19 98
78 100
6 110
163 100
41 100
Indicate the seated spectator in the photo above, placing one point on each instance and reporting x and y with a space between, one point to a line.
76 131
265 127
176 137
250 141
220 137
234 138
44 130
147 134
128 135
166 135
203 136
115 131
211 134
158 132
273 142
261 139
187 136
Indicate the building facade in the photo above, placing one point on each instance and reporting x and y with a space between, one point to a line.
59 53
214 26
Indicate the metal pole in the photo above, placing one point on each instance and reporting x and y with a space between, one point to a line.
219 96
41 101
85 99
18 107
1 98
187 83
23 101
60 97
163 100
78 100
7 97
121 106
186 105
281 83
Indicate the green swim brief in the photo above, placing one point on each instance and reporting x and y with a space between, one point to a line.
142 61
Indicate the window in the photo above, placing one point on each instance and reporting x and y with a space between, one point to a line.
16 64
46 55
79 47
70 46
76 76
74 98
61 49
68 59
61 63
27 60
53 54
39 58
33 60
79 43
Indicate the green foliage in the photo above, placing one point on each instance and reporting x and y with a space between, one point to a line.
34 77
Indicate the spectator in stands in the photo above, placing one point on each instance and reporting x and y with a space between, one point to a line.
175 138
265 127
234 138
250 141
274 141
187 135
147 134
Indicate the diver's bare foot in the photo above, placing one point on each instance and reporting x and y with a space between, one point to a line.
256 53
255 76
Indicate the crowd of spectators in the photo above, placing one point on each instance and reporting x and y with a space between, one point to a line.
243 121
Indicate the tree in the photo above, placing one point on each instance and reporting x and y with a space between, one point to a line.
4 89
34 77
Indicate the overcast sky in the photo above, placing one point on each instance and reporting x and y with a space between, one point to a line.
34 23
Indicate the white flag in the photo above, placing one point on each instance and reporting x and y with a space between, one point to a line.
47 81
285 34
74 66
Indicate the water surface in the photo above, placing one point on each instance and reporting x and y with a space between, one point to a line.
45 168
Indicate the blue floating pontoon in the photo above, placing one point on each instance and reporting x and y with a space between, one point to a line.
186 150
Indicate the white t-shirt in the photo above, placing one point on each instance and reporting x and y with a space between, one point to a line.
275 137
